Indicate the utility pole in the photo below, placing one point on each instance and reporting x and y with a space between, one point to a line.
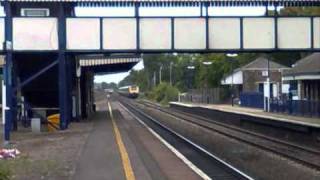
160 80
154 79
171 63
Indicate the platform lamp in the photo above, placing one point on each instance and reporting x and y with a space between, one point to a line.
231 56
190 67
206 63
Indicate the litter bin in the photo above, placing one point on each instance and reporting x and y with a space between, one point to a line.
36 125
53 122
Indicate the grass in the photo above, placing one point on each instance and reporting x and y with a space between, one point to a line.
26 167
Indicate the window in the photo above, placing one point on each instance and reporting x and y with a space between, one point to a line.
34 12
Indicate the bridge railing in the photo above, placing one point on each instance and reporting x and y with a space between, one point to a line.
168 34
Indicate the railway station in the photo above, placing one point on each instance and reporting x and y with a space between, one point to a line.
52 54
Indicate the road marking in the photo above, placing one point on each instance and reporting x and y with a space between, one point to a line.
171 148
122 149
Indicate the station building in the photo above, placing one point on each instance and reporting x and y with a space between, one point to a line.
304 78
251 78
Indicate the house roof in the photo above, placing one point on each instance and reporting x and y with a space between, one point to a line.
261 63
309 65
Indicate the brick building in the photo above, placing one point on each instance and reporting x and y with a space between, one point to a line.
252 77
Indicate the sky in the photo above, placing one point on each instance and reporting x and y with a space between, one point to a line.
155 11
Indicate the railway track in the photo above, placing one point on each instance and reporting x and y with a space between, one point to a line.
303 155
212 166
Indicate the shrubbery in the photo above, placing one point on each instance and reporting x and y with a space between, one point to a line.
164 93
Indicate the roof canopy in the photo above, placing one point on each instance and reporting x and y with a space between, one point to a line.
112 64
186 2
309 65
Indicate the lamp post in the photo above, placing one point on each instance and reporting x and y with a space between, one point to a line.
232 89
190 67
207 63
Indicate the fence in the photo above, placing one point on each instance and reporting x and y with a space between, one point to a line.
296 107
252 99
207 96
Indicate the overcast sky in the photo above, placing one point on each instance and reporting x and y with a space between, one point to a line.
186 11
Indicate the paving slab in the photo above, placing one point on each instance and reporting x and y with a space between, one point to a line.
100 158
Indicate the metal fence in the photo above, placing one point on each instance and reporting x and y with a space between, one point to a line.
252 99
207 96
296 107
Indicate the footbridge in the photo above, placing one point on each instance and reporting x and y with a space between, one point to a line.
51 52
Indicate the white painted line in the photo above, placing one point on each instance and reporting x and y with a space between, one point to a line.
171 148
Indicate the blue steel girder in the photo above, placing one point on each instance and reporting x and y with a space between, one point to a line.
208 34
8 73
37 74
185 3
63 75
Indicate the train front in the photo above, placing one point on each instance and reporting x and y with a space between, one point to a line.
133 91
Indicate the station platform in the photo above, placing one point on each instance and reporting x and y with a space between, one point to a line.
259 113
118 147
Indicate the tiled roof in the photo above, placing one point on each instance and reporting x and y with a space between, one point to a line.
306 66
261 63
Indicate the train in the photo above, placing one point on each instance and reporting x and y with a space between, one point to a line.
129 91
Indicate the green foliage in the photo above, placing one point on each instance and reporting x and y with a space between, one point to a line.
164 93
201 76
298 11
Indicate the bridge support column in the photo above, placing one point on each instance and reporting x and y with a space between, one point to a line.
9 96
63 74
9 115
63 92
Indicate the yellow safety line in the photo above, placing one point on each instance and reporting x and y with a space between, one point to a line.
123 152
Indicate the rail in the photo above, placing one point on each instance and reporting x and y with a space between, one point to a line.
303 155
222 168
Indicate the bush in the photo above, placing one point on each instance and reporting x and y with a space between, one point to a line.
164 93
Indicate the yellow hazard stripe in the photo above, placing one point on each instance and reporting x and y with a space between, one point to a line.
123 152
